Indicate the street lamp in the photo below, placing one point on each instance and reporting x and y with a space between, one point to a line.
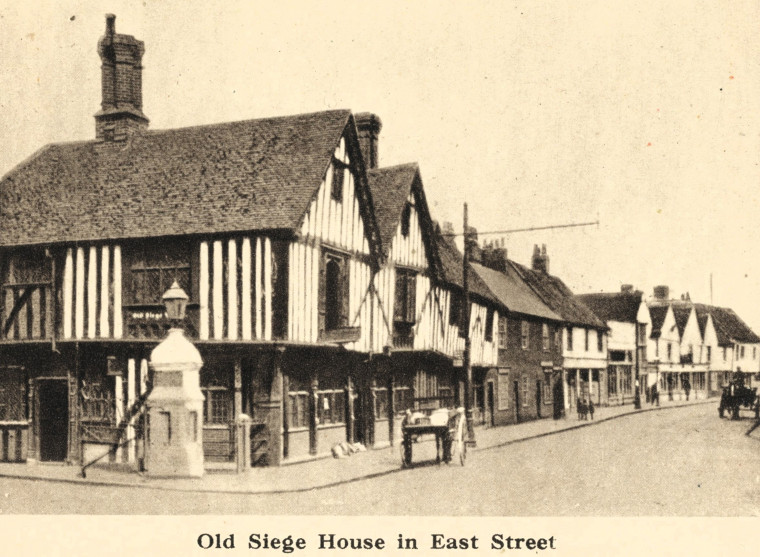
174 444
175 302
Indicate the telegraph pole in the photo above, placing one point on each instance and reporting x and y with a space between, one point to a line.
468 402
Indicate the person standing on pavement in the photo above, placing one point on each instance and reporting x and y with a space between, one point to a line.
686 387
591 408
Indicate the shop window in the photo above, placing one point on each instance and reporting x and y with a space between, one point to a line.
612 381
331 406
627 380
298 415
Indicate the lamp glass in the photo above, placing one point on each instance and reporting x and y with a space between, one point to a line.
175 301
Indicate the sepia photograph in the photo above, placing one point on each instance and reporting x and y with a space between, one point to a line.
380 259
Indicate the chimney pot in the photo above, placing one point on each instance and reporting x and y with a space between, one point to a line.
626 288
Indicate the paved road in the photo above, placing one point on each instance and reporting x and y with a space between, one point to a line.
677 462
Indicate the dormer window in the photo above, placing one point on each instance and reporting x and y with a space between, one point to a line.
339 170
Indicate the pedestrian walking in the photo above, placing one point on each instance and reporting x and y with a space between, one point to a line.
591 408
578 407
686 387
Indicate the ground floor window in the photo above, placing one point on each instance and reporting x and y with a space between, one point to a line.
331 406
403 399
699 381
502 385
381 402
612 381
12 395
298 415
627 380
525 390
217 406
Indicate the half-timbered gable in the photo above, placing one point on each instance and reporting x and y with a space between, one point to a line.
331 261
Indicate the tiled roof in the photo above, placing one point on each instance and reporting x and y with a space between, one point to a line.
616 306
657 314
390 188
681 313
249 175
451 270
728 325
514 293
559 298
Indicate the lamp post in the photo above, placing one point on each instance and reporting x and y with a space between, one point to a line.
174 446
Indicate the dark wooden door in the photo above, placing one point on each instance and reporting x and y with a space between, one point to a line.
491 405
53 419
517 400
538 398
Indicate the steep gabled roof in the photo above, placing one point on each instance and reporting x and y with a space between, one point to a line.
555 293
239 176
729 327
681 313
657 314
513 292
390 187
616 306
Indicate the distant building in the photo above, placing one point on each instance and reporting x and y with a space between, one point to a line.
626 315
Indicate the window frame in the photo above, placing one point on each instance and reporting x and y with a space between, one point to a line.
525 334
545 338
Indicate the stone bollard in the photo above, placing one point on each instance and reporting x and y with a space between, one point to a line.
243 443
174 440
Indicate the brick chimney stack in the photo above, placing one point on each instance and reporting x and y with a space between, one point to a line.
368 126
540 261
121 83
495 257
662 292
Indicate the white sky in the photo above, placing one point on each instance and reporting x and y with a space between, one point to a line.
641 114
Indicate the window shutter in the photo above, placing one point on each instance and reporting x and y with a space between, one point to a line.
411 301
344 293
399 312
322 304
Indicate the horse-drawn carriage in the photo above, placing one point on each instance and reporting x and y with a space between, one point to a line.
448 426
736 396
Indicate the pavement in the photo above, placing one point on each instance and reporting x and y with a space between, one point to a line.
325 472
